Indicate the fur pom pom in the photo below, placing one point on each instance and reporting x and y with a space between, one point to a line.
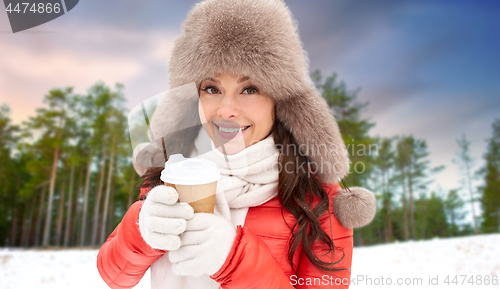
355 208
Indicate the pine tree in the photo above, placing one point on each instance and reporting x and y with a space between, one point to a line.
93 112
9 172
57 102
120 148
430 216
413 174
49 123
453 205
384 163
55 153
466 163
490 198
354 129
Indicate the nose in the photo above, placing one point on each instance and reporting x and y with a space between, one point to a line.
229 106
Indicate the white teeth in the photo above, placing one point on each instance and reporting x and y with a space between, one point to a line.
232 130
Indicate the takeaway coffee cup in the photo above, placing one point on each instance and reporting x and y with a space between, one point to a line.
194 179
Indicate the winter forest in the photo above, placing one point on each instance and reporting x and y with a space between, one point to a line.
66 174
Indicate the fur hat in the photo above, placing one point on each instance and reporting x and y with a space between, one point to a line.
259 39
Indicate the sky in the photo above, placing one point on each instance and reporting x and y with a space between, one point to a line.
430 69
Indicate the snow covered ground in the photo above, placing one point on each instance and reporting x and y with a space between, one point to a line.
466 261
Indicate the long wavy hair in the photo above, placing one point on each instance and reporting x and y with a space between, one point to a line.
296 192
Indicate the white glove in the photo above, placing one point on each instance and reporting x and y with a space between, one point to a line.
162 219
205 245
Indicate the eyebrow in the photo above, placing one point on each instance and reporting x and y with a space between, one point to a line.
245 78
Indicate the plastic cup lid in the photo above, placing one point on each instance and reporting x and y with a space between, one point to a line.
189 171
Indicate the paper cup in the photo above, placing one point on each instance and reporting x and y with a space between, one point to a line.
194 179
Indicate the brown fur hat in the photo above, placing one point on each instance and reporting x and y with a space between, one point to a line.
259 39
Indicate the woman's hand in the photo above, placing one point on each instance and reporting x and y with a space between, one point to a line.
162 219
205 245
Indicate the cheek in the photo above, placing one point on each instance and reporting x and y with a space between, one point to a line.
268 126
265 119
209 108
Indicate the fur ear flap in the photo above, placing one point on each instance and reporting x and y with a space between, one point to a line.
141 170
147 155
355 208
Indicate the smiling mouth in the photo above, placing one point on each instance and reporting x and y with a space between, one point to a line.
231 130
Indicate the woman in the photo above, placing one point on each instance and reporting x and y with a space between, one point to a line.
281 219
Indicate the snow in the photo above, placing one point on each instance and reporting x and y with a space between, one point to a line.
52 269
469 259
415 263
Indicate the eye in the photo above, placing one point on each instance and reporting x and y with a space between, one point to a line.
211 90
250 90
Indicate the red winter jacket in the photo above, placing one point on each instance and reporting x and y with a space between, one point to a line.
258 258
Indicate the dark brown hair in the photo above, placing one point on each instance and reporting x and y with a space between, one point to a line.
296 192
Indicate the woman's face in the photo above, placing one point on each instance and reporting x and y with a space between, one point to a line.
236 110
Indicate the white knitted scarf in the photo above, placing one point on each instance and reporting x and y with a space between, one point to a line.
248 179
